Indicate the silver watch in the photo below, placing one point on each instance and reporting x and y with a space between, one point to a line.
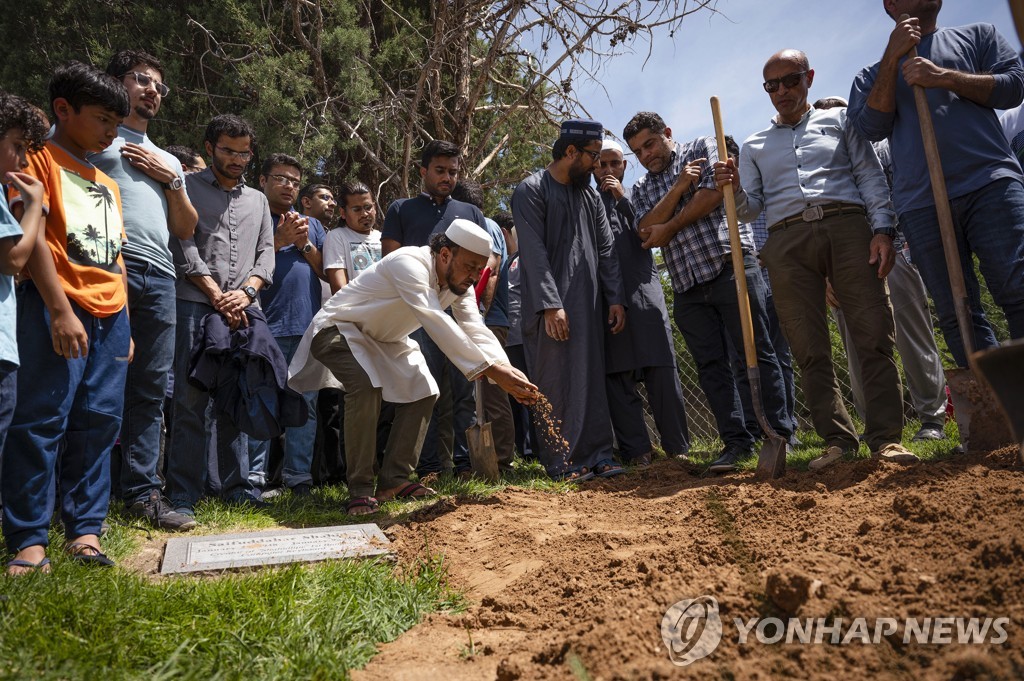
308 248
174 185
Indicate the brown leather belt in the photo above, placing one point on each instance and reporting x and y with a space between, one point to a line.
815 213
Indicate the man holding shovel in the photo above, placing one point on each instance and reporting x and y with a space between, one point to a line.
967 72
827 207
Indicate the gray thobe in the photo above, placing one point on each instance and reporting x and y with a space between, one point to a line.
567 260
643 350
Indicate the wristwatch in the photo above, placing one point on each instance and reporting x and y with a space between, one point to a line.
887 231
250 291
308 248
174 185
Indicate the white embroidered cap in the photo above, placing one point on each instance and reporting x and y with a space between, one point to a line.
470 236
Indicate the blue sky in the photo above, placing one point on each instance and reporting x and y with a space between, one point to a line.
723 54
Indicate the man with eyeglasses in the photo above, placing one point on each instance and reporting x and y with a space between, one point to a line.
569 277
290 305
221 269
317 201
968 72
155 207
643 352
679 209
827 206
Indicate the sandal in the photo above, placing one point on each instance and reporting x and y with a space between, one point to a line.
368 504
87 554
574 474
606 468
410 490
42 567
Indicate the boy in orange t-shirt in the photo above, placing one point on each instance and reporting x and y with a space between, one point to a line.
73 333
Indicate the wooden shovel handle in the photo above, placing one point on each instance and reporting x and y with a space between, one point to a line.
736 248
945 216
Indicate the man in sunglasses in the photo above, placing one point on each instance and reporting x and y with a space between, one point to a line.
155 207
968 72
679 209
829 218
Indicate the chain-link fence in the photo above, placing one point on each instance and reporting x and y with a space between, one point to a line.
698 412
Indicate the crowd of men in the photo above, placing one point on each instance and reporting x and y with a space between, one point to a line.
247 323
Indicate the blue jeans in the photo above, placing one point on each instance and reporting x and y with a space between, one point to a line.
989 223
65 423
152 311
298 442
701 313
8 398
194 417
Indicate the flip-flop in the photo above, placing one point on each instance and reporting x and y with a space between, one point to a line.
41 567
362 502
606 468
410 490
574 474
87 554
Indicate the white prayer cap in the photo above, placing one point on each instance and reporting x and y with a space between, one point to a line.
470 236
612 145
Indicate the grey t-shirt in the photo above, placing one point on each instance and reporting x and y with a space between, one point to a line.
143 202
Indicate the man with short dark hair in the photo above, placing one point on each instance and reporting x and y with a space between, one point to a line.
156 207
679 209
317 201
569 273
969 72
411 222
221 269
190 159
289 306
362 337
643 352
829 217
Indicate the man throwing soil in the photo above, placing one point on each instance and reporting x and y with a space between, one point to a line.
362 337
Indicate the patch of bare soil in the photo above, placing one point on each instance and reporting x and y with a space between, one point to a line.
576 585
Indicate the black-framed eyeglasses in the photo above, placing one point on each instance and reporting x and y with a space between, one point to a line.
284 179
145 81
240 155
789 80
594 155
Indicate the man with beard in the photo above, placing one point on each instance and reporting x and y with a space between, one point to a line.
363 337
156 207
289 306
222 268
317 201
679 209
411 222
569 273
644 351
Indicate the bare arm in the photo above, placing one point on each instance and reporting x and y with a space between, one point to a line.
388 245
494 262
701 205
337 278
181 215
15 251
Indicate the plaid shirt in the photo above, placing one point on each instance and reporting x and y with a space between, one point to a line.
759 228
699 252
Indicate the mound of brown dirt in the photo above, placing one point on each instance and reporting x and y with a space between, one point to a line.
576 585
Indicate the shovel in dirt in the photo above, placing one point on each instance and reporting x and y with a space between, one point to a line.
978 415
482 456
771 462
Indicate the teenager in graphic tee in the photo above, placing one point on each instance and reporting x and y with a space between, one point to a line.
351 248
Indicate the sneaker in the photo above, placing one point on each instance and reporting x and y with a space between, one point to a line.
303 489
832 454
896 453
727 460
160 513
929 431
271 493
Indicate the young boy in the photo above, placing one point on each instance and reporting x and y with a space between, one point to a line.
354 246
22 127
73 333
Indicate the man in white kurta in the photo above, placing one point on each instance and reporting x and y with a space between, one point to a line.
361 336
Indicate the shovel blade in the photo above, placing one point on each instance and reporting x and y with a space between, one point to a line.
482 455
771 461
982 425
1003 369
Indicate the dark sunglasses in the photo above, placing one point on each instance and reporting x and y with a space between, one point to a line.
789 80
145 81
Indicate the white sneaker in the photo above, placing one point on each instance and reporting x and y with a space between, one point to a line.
896 453
831 455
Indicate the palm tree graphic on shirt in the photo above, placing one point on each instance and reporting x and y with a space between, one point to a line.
93 222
